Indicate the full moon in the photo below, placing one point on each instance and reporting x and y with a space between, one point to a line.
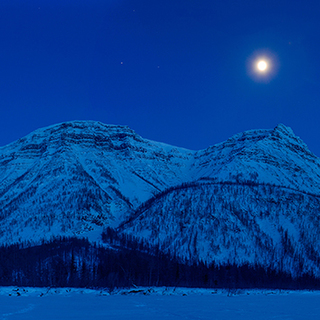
262 65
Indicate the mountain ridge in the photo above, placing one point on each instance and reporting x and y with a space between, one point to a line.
251 198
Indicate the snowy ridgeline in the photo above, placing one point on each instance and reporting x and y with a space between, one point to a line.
156 303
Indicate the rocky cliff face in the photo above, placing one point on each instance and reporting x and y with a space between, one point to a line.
254 198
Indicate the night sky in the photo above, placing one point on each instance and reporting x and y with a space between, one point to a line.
175 71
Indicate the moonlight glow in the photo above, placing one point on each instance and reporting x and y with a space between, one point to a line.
262 65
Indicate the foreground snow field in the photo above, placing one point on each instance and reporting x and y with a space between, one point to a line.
157 304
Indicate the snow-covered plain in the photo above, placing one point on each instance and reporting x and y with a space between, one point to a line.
160 303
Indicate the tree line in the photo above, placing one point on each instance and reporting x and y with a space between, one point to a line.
124 261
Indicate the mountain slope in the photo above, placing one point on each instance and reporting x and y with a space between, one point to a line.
256 200
71 178
239 223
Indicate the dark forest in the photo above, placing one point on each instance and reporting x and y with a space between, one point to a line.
125 262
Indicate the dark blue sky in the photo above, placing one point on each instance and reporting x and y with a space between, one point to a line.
175 71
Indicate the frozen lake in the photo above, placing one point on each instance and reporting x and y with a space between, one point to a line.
195 305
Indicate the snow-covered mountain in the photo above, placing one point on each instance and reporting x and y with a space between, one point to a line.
270 156
73 177
254 198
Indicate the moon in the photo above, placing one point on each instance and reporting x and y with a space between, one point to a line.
262 65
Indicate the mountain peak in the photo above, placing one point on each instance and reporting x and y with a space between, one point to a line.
284 133
280 131
80 131
281 128
87 126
